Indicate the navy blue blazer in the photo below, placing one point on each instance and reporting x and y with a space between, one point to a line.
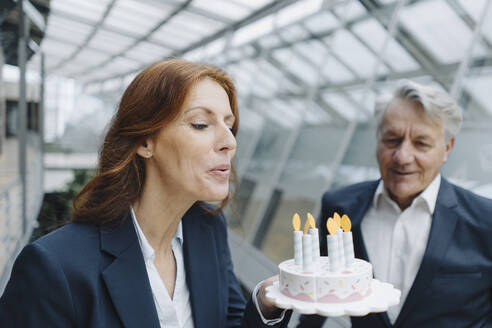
83 275
453 287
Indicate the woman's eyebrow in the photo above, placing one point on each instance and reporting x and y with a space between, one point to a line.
231 118
202 108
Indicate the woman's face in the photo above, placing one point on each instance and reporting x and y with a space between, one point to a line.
192 155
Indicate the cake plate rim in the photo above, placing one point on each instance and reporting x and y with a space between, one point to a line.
383 295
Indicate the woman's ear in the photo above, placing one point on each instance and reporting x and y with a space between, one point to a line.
145 150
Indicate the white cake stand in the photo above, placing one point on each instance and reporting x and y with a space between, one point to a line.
383 295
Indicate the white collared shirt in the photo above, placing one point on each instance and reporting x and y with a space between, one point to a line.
396 240
175 312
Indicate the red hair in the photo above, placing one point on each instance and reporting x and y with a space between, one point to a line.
154 98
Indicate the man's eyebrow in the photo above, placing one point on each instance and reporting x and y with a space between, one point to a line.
423 136
390 133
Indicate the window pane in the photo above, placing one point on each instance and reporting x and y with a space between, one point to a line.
88 10
375 36
223 8
268 150
359 163
353 53
278 241
296 65
110 42
322 22
147 52
309 166
445 35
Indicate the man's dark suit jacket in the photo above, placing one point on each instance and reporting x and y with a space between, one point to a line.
85 276
453 287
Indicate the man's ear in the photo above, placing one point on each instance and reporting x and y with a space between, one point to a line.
145 149
449 146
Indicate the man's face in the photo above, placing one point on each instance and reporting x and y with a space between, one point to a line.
411 150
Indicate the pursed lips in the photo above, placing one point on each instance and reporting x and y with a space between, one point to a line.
221 171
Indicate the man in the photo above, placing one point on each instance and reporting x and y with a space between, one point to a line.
429 238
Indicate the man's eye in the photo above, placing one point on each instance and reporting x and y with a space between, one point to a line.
391 141
422 144
199 126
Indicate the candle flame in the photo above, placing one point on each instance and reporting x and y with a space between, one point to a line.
337 218
346 224
332 226
306 226
296 222
312 221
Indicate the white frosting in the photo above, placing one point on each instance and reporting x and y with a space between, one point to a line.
320 285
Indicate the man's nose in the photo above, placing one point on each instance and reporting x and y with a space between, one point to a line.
404 154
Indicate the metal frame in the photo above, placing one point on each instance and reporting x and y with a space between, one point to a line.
87 39
260 13
31 196
21 60
138 40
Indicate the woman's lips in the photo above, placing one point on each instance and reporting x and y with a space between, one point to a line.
221 171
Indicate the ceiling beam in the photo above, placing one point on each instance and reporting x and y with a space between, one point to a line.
84 44
256 15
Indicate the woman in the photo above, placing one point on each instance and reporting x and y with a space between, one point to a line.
143 250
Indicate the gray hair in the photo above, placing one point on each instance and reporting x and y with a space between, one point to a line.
438 106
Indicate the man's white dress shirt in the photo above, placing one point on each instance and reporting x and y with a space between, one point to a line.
396 240
175 312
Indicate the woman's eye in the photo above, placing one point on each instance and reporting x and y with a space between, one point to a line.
199 126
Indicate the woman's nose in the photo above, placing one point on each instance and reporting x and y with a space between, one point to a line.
227 140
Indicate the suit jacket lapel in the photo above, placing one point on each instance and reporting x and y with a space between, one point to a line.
442 230
202 270
126 277
358 209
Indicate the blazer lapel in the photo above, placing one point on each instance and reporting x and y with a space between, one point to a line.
202 270
442 230
358 209
126 277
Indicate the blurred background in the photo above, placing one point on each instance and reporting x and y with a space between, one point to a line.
307 74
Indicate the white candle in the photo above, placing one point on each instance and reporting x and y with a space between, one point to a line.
307 253
348 243
298 247
315 240
348 248
333 252
340 248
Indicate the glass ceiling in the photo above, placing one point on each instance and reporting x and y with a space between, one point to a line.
309 62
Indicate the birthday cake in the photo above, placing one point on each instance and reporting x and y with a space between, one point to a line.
336 278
